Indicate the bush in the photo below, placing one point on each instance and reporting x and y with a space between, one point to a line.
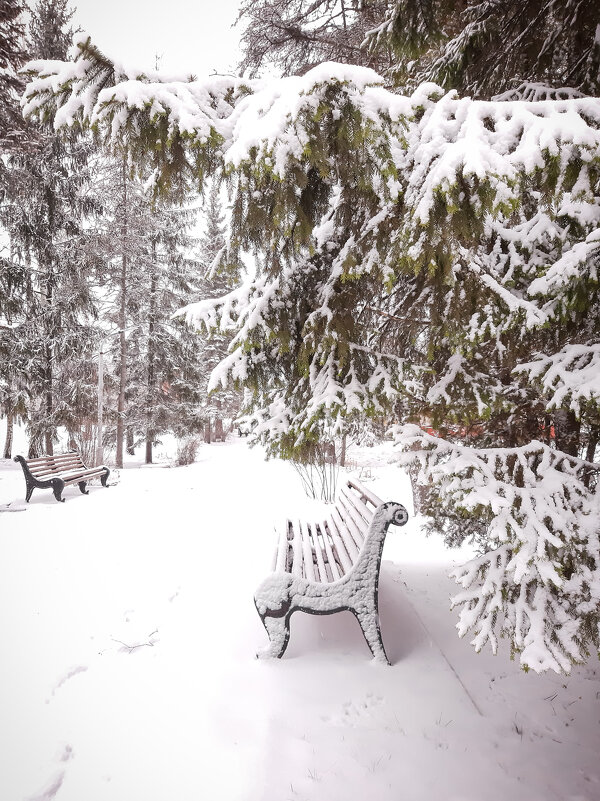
187 450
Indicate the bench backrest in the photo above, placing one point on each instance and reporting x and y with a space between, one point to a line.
353 513
328 549
46 466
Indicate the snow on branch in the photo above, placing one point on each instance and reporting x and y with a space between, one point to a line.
570 378
450 137
537 579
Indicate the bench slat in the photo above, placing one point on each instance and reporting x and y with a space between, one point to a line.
354 532
48 471
344 532
308 571
365 493
82 475
38 460
358 504
345 553
334 568
319 546
50 460
297 551
280 555
357 526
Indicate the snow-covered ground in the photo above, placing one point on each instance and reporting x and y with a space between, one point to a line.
127 671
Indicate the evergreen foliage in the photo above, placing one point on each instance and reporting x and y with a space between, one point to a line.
13 54
220 276
486 47
537 577
143 278
44 216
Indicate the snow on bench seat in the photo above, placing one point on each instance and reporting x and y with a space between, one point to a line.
328 566
59 471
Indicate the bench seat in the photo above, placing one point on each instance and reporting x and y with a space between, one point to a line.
329 565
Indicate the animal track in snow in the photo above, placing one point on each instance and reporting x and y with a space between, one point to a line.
358 713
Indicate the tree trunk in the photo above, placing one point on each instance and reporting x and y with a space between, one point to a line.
343 450
151 351
592 444
421 492
207 437
567 429
129 443
49 399
100 421
122 322
35 446
9 435
590 453
49 328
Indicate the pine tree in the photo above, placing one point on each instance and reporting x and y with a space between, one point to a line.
164 390
220 277
44 218
12 127
152 376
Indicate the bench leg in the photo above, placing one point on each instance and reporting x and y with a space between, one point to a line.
369 624
104 478
82 487
58 486
28 493
278 629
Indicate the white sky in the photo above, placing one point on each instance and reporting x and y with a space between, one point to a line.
192 37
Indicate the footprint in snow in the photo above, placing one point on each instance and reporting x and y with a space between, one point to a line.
50 789
68 675
358 713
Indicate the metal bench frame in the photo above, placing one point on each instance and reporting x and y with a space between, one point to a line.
59 471
330 566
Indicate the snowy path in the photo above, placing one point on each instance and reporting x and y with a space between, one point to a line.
128 674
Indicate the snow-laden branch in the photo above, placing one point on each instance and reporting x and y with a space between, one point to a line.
538 581
570 378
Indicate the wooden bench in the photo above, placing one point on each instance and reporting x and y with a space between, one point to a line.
58 472
330 566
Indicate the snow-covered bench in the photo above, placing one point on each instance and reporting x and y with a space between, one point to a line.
330 566
58 472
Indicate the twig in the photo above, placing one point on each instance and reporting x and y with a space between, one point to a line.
131 648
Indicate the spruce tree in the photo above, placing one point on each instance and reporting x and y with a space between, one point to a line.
44 217
220 276
164 387
145 274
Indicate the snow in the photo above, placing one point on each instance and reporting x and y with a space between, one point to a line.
129 633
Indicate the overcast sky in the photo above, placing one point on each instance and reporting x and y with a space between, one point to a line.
192 37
